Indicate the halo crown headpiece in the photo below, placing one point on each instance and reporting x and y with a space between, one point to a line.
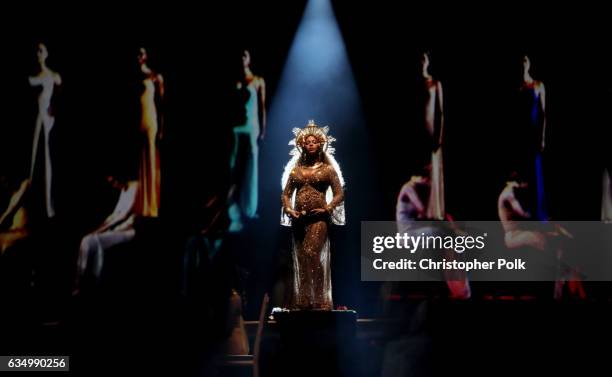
312 129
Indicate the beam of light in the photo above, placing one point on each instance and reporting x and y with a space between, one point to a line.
317 83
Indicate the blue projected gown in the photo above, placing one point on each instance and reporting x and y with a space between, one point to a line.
244 162
535 172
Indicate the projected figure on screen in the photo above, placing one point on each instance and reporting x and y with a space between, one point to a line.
533 120
519 233
47 80
413 201
245 153
117 228
151 128
312 199
413 205
431 118
512 208
14 221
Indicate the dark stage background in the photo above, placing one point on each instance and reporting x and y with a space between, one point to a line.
476 56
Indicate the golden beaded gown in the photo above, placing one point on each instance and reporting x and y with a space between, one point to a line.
149 166
306 189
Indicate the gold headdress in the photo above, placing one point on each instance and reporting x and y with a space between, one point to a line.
311 129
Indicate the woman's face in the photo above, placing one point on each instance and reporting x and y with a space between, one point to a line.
246 59
526 63
312 145
41 53
142 56
424 61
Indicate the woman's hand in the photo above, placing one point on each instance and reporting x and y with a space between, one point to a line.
293 213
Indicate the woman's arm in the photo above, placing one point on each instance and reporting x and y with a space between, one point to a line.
516 207
337 190
543 109
440 110
262 107
287 195
160 113
409 198
57 79
15 202
126 204
35 80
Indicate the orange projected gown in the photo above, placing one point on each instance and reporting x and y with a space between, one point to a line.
148 166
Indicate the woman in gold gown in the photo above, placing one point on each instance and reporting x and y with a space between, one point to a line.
151 131
312 198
